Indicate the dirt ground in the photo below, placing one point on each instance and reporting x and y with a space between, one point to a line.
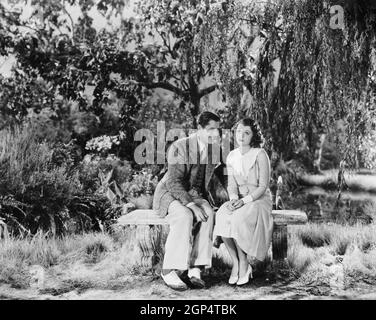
153 288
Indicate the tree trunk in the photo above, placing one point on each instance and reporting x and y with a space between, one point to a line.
315 140
318 153
195 108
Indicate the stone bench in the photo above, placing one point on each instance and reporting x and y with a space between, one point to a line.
151 231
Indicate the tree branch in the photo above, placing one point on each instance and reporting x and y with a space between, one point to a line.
184 83
71 20
207 90
167 45
164 85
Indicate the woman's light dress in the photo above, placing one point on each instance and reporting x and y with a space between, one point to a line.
252 224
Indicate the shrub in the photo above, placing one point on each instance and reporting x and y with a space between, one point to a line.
143 182
39 192
93 165
66 154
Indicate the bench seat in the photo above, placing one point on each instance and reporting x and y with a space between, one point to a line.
151 231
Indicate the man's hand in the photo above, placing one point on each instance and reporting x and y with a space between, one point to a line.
199 213
235 204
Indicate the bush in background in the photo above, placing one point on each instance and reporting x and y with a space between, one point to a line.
40 192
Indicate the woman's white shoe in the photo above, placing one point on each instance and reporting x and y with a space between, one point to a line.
233 279
245 278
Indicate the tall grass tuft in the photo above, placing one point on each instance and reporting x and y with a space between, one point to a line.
315 236
350 248
37 249
74 254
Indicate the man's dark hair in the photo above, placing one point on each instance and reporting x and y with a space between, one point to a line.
205 117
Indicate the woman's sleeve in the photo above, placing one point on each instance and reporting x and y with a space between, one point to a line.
232 187
264 177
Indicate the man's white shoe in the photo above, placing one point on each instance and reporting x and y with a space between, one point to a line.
173 281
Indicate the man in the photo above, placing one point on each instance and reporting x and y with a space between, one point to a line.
181 196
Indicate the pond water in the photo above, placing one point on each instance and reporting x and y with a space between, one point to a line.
322 206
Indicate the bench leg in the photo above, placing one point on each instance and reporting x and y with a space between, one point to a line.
3 231
149 242
279 242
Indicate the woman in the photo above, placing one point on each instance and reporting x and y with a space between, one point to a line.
245 222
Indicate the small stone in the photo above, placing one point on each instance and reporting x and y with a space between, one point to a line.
37 277
328 261
336 276
339 259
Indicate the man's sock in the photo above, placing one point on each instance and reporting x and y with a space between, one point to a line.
193 272
166 271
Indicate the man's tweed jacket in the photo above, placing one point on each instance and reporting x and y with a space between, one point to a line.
183 164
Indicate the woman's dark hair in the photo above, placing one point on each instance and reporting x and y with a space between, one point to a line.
205 117
257 138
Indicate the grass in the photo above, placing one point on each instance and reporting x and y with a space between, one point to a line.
322 253
319 254
80 261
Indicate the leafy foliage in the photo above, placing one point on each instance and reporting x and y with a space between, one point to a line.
142 182
157 50
324 78
38 193
302 75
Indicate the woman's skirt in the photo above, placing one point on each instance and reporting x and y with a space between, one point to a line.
251 226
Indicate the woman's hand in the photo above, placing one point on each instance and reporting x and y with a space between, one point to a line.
234 204
230 205
239 204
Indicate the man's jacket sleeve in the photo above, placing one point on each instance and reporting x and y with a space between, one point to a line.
177 166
